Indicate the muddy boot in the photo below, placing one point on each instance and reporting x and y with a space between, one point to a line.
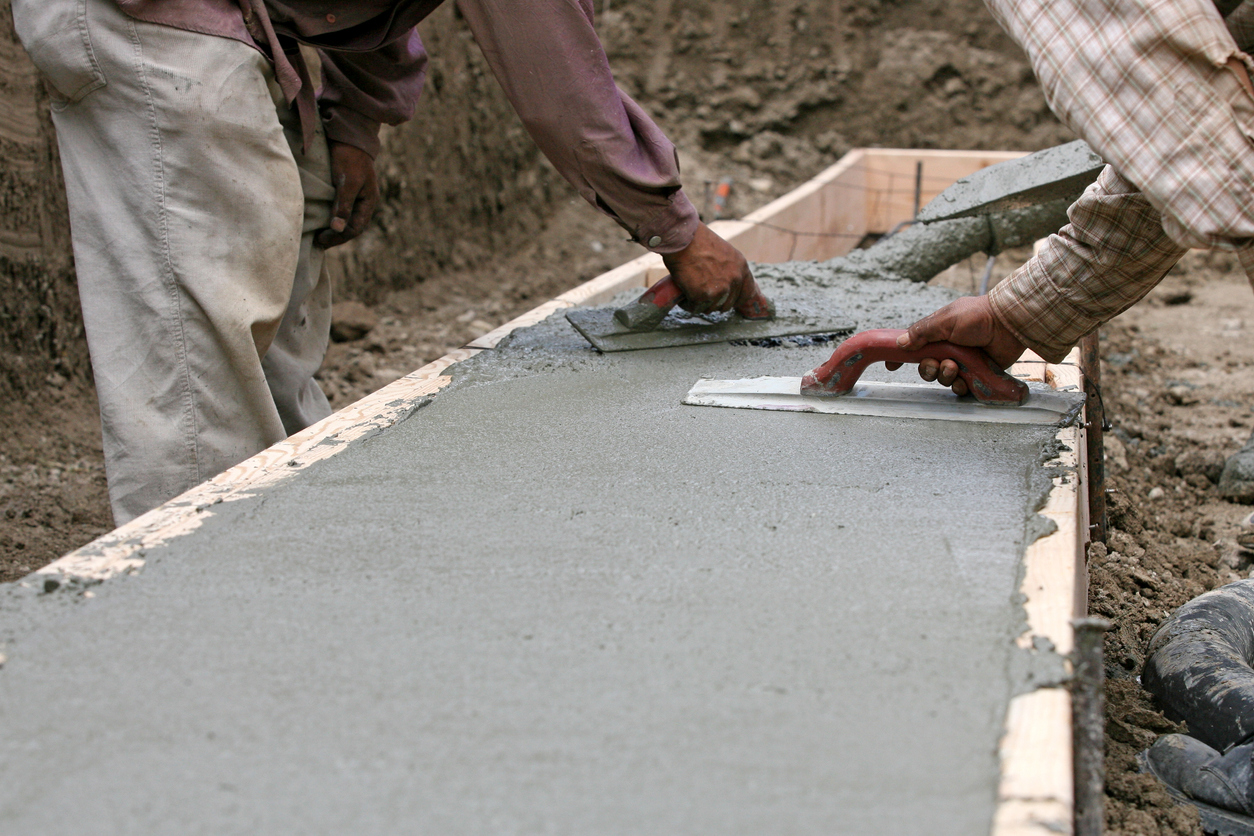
1221 787
1237 481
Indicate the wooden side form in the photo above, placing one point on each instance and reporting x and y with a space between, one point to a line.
821 219
1036 792
890 179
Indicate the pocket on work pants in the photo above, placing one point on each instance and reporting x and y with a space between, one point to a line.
57 37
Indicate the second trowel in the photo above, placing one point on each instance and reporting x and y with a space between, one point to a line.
835 388
653 321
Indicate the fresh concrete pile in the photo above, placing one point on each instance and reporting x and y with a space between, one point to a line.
557 600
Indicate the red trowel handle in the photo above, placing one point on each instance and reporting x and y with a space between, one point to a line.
988 383
647 312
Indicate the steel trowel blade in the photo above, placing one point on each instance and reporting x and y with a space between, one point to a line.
792 319
889 400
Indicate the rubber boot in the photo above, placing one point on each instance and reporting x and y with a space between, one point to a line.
1220 786
1237 481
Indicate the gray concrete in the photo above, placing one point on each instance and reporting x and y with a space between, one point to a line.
558 601
921 251
1059 173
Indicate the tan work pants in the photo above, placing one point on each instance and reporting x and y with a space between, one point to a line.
192 212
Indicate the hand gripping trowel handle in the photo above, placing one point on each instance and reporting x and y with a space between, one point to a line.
984 379
647 312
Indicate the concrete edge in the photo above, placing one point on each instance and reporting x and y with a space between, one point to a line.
1036 793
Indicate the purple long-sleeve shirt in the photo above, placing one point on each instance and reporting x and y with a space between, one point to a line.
545 54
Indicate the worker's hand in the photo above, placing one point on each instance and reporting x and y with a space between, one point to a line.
356 194
713 275
967 321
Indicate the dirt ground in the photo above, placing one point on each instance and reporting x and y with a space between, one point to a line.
767 96
1179 390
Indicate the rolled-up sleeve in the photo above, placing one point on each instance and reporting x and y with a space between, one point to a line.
1112 253
553 68
362 90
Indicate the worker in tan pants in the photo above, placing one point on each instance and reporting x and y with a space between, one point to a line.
193 213
200 162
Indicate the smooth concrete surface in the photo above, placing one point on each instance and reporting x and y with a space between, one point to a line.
557 601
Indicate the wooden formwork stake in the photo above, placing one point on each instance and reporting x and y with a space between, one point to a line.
1088 724
1095 424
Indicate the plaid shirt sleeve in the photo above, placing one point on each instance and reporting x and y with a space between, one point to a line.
1112 253
1148 85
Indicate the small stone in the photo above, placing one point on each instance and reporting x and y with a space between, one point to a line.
351 321
1182 396
364 367
1207 463
1237 480
1157 493
1116 452
382 377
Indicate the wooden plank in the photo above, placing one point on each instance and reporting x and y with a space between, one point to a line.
1035 796
1051 563
1036 789
890 176
821 219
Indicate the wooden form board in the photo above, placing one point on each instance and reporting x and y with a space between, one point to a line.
867 191
1036 792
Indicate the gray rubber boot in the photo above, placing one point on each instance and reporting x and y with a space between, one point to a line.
1221 787
1237 481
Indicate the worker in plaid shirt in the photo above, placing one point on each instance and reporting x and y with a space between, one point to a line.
1162 91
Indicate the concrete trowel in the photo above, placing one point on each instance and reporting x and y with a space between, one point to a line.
653 321
834 388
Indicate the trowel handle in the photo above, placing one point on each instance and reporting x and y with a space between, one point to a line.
647 312
988 383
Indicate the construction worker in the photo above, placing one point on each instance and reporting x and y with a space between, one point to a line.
205 180
1162 91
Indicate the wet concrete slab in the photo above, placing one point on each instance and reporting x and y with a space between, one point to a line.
558 601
